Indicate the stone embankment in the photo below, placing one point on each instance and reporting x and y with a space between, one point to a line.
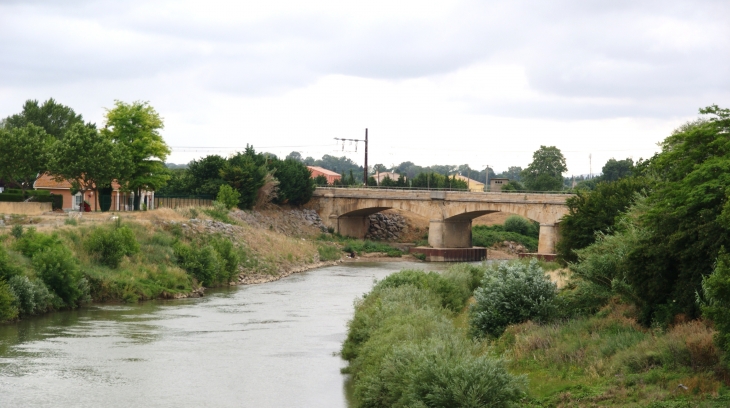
386 226
510 247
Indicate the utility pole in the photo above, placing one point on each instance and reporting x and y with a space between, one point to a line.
486 186
365 170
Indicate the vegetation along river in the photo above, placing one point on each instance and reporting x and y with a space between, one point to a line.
270 345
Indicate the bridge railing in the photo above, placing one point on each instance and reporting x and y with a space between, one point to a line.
458 190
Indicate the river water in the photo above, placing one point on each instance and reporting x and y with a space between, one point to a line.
270 345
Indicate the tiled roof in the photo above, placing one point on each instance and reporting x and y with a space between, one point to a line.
323 171
46 181
471 181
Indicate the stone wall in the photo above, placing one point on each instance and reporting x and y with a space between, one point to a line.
385 226
24 208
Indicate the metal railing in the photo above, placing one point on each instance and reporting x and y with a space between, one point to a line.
458 190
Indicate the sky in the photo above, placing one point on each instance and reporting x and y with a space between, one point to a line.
484 83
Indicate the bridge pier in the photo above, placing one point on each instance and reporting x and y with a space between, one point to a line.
449 233
548 238
355 227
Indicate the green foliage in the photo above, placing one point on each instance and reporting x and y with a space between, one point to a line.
56 266
522 226
328 253
452 296
108 246
87 158
320 180
211 264
512 293
545 173
591 212
55 119
219 212
33 296
404 350
617 169
17 231
716 293
367 246
7 268
435 180
8 302
295 182
687 218
486 236
228 196
135 129
230 259
33 242
25 154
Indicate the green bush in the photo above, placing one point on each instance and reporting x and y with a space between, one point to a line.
219 212
522 226
486 236
403 350
203 263
32 242
13 198
716 291
229 257
8 302
368 246
228 196
108 246
33 296
512 292
329 253
57 268
7 269
448 291
17 231
440 373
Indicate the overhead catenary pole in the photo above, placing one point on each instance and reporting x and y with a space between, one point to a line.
365 172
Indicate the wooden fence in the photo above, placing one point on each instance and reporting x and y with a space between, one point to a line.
182 202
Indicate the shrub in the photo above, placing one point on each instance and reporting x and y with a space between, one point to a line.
33 296
487 236
228 196
519 225
7 269
716 291
110 245
32 242
218 212
328 253
229 258
57 268
17 231
203 263
8 302
448 292
512 293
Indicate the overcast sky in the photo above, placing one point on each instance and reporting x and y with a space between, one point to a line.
477 82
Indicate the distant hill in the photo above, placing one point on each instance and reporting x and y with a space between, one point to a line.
176 166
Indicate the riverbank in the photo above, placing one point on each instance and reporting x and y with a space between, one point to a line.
412 340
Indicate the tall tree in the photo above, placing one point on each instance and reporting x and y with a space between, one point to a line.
545 173
616 169
87 159
52 116
137 126
25 154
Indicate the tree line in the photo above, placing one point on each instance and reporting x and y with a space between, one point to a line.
52 138
655 233
257 177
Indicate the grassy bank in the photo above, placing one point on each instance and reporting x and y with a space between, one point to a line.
412 342
66 262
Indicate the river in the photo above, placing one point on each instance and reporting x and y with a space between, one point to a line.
270 345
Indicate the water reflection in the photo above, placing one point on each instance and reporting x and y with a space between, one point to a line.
271 345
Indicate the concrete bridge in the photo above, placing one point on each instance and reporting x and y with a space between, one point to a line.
449 212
